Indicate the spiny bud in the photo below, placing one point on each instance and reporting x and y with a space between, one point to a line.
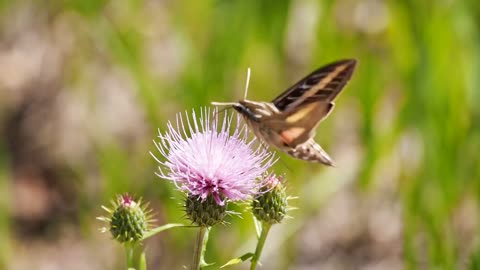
270 203
129 220
205 212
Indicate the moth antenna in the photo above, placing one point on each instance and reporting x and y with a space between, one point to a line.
247 82
223 103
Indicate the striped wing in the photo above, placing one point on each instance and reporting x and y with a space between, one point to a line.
322 85
289 121
307 103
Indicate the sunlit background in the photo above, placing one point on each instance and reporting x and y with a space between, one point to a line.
85 85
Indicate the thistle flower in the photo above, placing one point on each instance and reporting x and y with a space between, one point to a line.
128 219
203 159
271 202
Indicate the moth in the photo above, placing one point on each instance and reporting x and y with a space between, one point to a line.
289 121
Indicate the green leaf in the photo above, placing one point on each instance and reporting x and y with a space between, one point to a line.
238 260
203 263
163 228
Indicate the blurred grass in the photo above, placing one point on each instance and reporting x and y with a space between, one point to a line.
423 64
4 211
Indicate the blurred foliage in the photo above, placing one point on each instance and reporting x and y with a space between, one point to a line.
409 115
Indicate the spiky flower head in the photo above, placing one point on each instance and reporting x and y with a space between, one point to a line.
128 219
206 212
271 202
203 158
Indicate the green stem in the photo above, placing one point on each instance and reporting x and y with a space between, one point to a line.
129 254
143 261
200 247
261 242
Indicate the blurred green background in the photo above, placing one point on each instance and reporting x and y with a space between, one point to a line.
84 86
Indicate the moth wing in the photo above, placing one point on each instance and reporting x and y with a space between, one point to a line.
298 125
323 84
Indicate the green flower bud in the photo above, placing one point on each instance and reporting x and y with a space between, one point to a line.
129 220
206 212
271 202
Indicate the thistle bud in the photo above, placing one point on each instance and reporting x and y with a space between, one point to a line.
128 220
271 202
205 212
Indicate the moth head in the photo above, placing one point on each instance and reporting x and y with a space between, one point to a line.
247 110
240 107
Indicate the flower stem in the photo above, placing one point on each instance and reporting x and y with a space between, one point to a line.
129 254
143 261
261 242
200 247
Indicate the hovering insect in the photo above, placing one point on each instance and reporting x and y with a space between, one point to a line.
289 121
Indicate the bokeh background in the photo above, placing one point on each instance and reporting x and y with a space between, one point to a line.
84 86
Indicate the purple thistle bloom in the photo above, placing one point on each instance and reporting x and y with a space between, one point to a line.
204 159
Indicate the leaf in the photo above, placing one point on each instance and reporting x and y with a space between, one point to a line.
203 263
238 260
163 228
